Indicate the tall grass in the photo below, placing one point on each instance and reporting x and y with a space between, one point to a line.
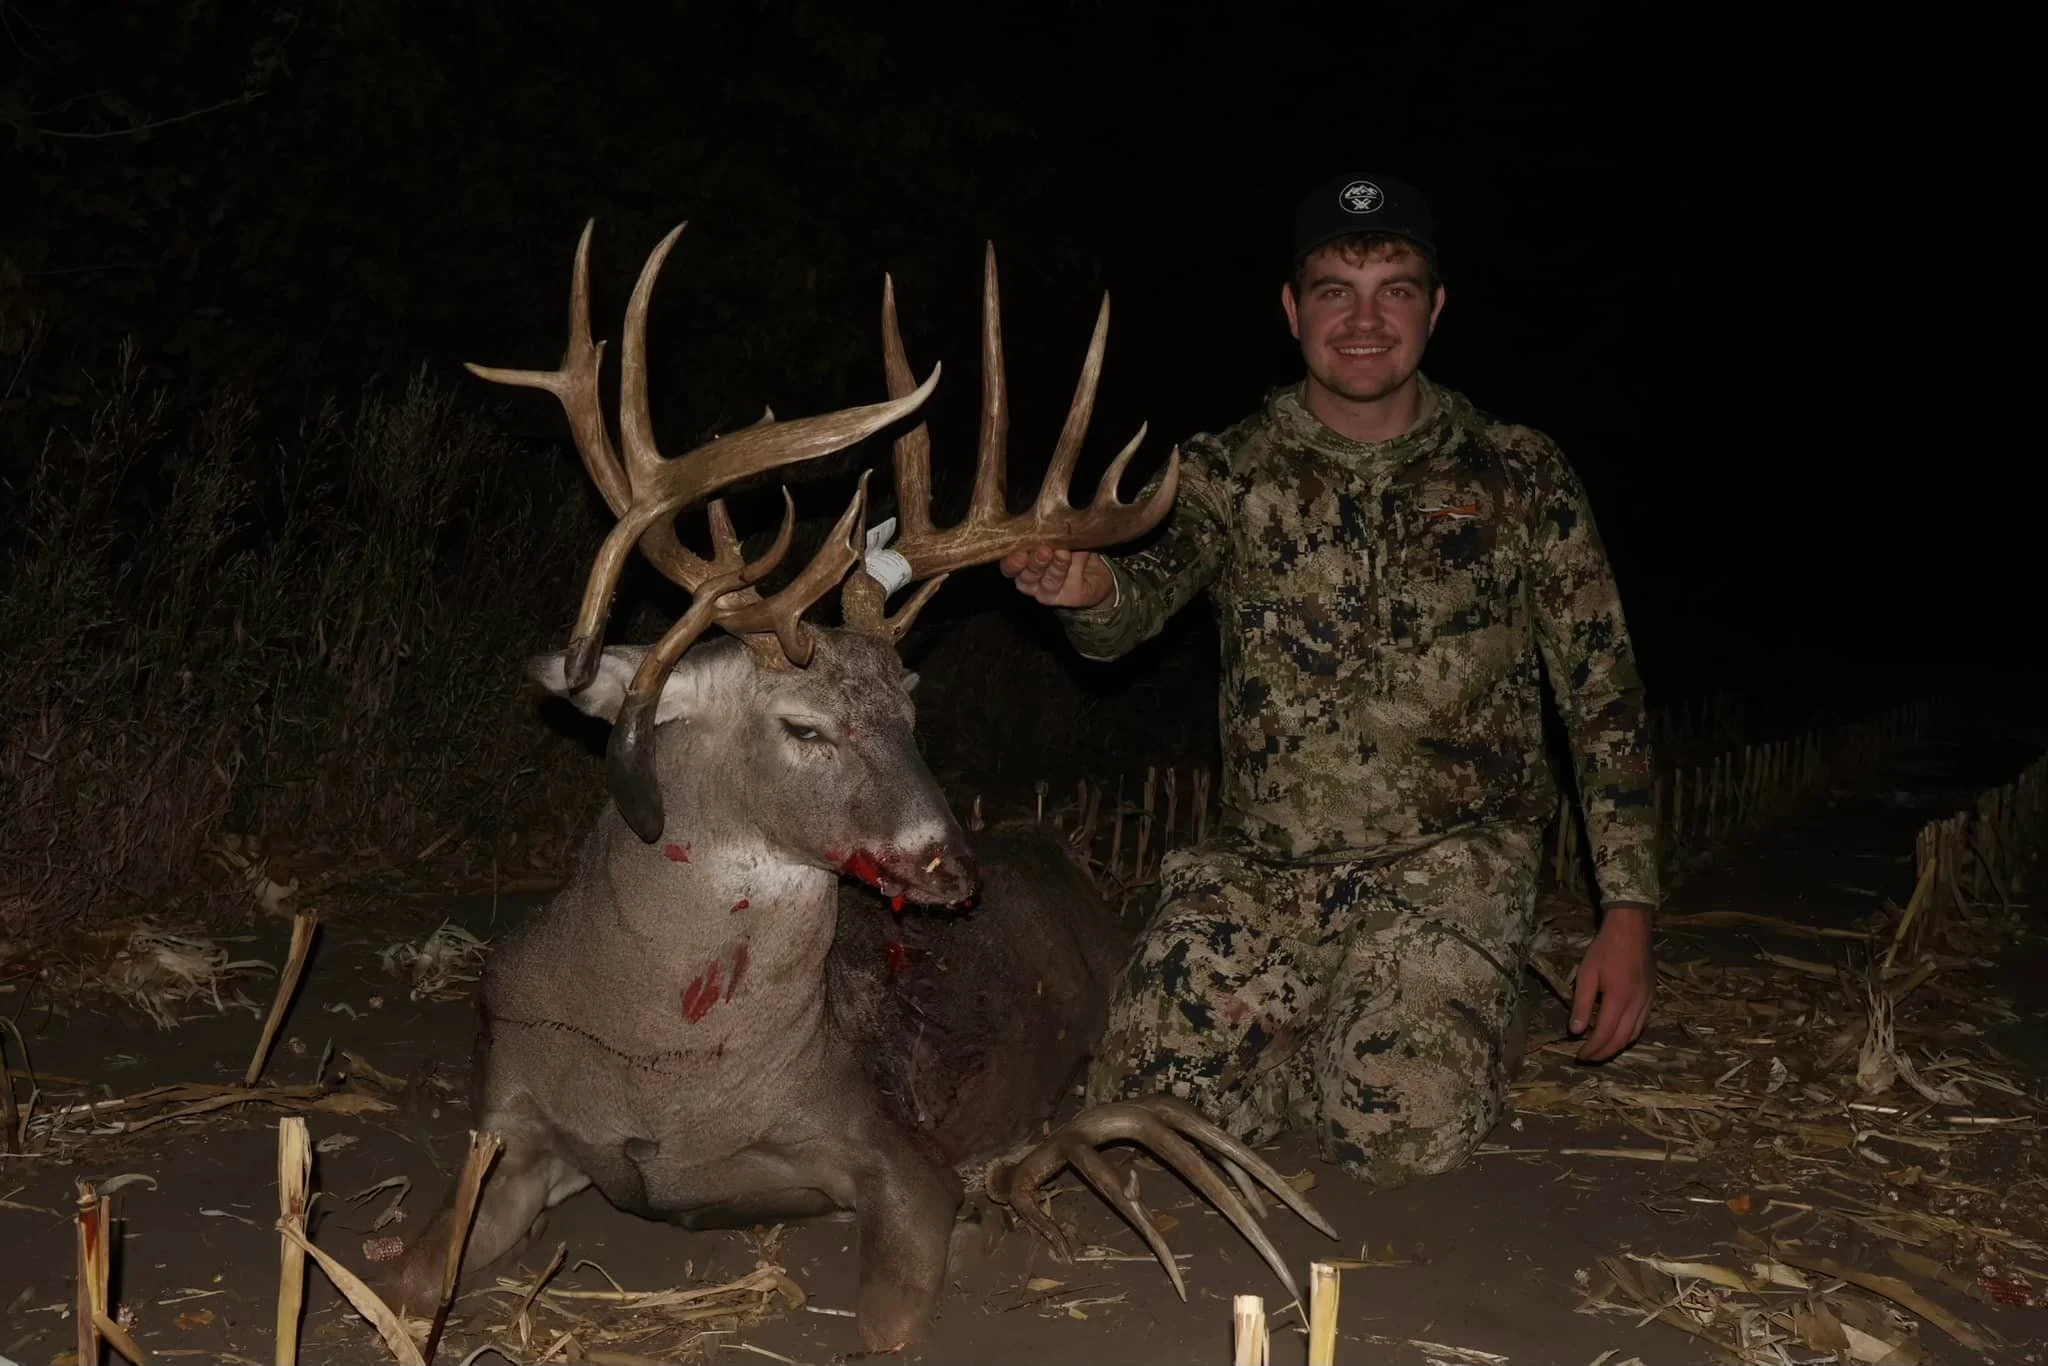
222 618
215 619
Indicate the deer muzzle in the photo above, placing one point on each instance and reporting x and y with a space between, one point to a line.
941 873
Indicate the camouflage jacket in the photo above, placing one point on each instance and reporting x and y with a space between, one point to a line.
1383 609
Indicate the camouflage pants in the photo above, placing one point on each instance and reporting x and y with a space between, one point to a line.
1365 1003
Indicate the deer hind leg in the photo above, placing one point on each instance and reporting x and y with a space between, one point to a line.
528 1179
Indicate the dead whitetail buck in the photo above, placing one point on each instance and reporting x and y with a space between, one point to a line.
693 1025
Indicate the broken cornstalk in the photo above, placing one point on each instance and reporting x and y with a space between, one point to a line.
1248 1324
303 925
1323 1282
95 1267
294 1180
483 1150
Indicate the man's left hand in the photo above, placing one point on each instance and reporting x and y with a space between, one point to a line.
1615 983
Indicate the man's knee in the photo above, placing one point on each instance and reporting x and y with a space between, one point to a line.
1201 999
1253 1102
1411 1121
1162 1033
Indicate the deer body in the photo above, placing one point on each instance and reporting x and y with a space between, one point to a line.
698 1025
690 1027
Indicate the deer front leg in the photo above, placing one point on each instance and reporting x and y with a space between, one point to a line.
905 1206
849 1158
528 1179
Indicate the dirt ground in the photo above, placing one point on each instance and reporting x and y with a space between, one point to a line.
1487 1264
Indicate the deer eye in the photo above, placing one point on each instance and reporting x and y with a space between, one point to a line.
799 731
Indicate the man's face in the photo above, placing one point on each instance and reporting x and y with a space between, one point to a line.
1362 323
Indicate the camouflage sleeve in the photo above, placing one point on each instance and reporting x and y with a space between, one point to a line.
1161 579
1592 665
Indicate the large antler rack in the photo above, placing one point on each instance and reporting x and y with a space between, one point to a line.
990 531
646 491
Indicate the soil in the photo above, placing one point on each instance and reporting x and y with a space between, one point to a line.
1492 1258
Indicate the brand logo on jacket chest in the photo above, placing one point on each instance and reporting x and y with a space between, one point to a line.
1441 505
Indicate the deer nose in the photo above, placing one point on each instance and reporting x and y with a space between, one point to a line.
948 873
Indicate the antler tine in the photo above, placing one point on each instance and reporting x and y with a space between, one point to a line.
898 625
1165 1125
862 599
1107 506
1059 473
586 639
575 383
636 422
725 541
644 462
989 502
913 455
661 486
729 557
781 615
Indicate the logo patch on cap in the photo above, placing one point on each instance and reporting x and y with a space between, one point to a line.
1361 196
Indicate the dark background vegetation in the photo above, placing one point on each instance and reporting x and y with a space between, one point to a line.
271 559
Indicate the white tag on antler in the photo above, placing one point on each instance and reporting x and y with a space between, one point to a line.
885 566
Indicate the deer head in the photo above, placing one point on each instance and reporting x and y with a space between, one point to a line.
646 493
803 739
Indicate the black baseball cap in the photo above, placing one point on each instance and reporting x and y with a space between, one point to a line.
1347 204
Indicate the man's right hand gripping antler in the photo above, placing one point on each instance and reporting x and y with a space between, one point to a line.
1060 578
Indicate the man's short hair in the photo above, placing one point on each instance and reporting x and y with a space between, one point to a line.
1359 247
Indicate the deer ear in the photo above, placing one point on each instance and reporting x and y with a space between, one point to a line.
607 692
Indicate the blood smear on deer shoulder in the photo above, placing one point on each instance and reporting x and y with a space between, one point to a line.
701 994
741 956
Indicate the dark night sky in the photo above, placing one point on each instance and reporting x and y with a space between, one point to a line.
1767 281
1766 277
